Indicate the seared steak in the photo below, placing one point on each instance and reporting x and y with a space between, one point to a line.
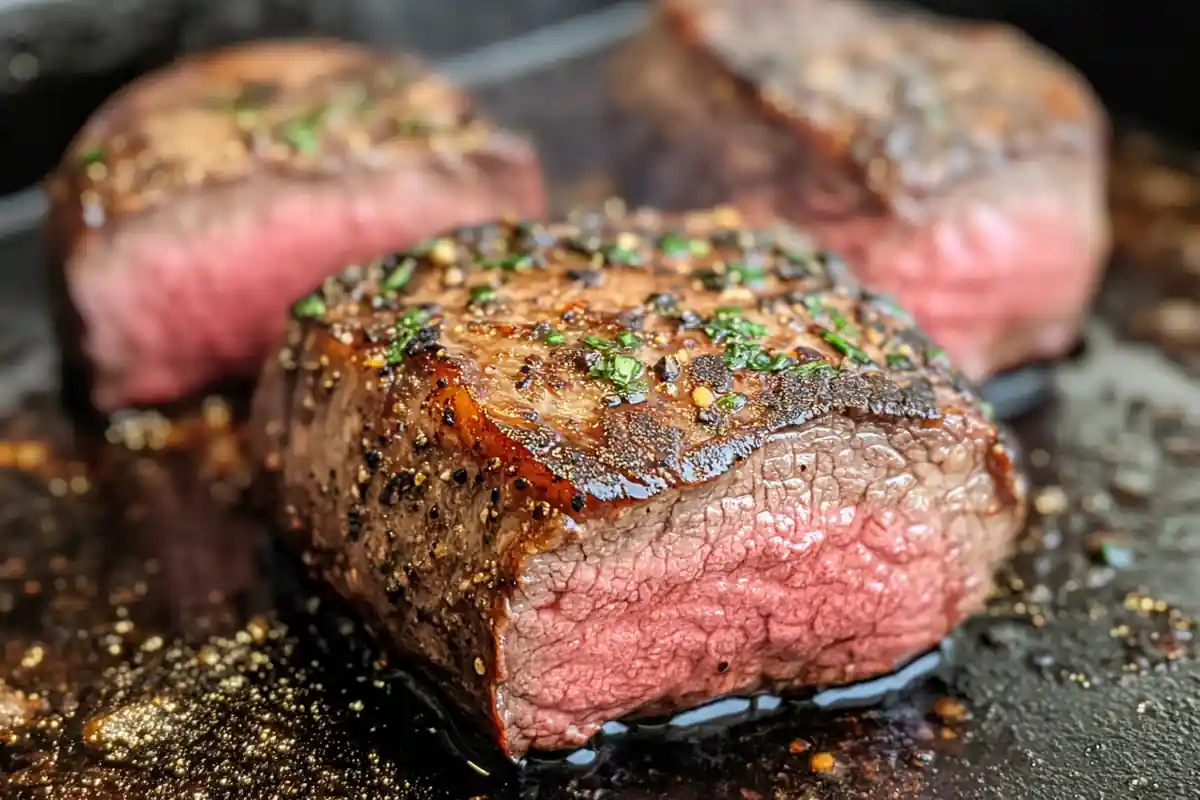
202 200
625 464
957 166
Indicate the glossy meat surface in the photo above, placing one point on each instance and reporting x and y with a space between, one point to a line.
622 464
203 199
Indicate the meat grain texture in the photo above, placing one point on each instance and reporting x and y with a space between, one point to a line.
199 202
957 166
623 464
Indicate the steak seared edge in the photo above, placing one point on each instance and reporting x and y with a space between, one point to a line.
624 463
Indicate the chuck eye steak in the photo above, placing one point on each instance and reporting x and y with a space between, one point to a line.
956 166
198 202
624 463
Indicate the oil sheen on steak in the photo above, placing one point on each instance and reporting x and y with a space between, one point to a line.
955 166
203 199
623 465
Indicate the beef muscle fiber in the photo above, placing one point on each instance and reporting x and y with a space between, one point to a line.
956 166
629 464
204 198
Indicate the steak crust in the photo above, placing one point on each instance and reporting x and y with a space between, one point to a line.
624 463
953 165
201 200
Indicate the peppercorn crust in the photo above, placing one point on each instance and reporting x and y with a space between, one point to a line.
522 444
516 337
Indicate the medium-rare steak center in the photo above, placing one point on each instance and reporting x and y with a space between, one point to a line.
624 464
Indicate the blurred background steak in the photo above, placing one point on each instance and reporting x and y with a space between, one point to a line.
579 474
956 165
200 201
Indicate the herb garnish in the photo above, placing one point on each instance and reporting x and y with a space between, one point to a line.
847 348
93 155
408 327
309 306
302 132
934 353
555 337
618 255
898 360
624 372
519 262
728 324
482 294
674 245
748 355
399 277
732 402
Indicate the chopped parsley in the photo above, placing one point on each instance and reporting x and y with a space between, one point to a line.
399 277
482 294
675 245
408 328
934 353
898 360
732 402
555 337
812 369
309 306
302 133
519 262
93 155
749 355
729 325
628 340
624 372
622 256
846 347
745 273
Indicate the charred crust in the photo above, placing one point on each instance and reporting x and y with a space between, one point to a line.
559 392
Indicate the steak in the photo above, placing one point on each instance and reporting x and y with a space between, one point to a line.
953 165
628 464
199 202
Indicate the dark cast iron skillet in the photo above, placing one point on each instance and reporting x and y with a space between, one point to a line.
151 644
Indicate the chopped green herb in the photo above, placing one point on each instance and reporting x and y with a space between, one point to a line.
301 134
597 343
700 247
814 305
309 306
93 155
728 324
898 360
846 347
813 368
398 278
407 328
989 411
628 340
674 245
934 353
623 372
748 355
482 294
746 274
732 402
622 255
519 262
624 339
555 337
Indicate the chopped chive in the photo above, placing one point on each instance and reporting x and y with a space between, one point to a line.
399 277
555 337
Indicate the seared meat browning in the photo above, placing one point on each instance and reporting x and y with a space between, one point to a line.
202 200
623 464
956 166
